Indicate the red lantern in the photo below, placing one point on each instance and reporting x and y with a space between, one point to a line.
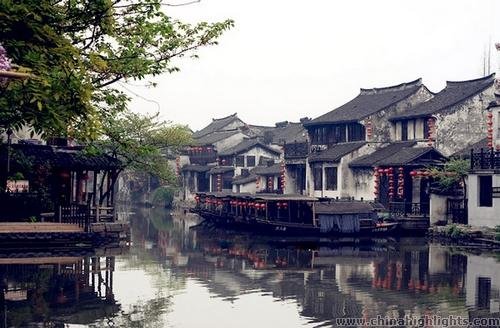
413 174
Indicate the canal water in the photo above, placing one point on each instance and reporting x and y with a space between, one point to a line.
174 276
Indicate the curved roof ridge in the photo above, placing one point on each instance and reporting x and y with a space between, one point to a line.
484 78
225 117
404 85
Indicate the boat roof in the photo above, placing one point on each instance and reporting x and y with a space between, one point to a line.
275 197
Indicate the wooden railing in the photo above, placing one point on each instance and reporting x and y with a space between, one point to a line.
84 215
485 159
75 214
404 209
296 150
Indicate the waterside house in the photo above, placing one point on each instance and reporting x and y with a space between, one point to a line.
484 176
55 178
357 128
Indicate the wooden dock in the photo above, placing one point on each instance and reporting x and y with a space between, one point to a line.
38 227
43 234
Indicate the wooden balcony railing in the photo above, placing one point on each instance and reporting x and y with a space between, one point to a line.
485 159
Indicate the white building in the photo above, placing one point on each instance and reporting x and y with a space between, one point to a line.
484 177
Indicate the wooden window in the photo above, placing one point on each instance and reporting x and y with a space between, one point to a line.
331 178
340 133
356 132
318 177
227 180
240 161
404 130
250 161
485 191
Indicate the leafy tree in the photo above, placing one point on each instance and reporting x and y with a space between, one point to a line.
452 175
143 143
77 50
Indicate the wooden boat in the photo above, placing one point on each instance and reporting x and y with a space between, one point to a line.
287 215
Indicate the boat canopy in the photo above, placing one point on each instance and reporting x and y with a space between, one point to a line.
265 197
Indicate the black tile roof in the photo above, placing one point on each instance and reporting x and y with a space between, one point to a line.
221 169
291 132
239 180
454 93
368 102
399 153
274 169
196 168
212 138
372 159
344 207
336 152
70 158
465 152
217 125
246 145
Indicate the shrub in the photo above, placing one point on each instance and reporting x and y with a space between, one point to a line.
455 232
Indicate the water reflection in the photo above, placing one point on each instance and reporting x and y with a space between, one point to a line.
54 289
174 276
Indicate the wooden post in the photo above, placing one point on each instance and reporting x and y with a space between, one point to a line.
97 213
289 211
94 191
60 214
315 223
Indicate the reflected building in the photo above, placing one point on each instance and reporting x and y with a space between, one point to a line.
54 291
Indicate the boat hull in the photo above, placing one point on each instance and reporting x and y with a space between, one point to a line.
265 227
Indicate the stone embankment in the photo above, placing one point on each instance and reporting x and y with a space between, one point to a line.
460 234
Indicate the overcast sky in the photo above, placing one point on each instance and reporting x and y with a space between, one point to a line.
287 59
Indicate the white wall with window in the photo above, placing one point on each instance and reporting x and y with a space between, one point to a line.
484 199
325 178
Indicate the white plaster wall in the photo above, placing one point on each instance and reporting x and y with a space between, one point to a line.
364 184
309 179
438 259
482 216
245 188
481 266
258 152
438 208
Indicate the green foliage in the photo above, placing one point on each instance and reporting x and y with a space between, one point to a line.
16 176
76 50
163 196
455 232
142 142
452 174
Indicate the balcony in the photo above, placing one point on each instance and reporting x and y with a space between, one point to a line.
406 209
485 159
296 150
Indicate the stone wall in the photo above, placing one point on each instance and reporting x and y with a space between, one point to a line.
463 124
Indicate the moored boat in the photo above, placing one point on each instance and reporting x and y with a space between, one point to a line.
291 215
